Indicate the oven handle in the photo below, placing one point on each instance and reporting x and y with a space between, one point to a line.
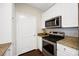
52 43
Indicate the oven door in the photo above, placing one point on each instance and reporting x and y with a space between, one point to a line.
49 48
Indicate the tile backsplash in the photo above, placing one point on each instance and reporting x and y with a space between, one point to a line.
68 31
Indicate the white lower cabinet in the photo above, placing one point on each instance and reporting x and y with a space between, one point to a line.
39 43
66 51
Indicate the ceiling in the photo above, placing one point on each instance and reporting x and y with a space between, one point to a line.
41 6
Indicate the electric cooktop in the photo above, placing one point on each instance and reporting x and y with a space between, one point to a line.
53 38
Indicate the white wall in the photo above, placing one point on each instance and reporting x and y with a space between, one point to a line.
5 22
6 25
68 11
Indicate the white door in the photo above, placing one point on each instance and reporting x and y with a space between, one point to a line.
26 33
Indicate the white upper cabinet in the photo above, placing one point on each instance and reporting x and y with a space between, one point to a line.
68 11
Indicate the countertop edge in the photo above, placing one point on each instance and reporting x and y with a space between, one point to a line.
4 48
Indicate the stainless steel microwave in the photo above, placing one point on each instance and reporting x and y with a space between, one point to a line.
54 22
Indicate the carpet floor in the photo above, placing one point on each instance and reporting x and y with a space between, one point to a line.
34 52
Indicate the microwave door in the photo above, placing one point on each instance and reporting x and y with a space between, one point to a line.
53 22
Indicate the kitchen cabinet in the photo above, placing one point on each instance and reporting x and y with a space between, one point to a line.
68 11
39 43
66 51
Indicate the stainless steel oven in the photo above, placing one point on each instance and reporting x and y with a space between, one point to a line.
53 22
49 43
49 48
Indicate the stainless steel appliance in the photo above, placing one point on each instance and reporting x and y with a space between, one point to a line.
49 46
54 22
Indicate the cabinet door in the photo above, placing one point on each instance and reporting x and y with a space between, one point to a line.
39 43
60 47
60 50
70 15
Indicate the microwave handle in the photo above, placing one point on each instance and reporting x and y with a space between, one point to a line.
55 21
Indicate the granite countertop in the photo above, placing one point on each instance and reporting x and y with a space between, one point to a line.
43 34
72 42
3 48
